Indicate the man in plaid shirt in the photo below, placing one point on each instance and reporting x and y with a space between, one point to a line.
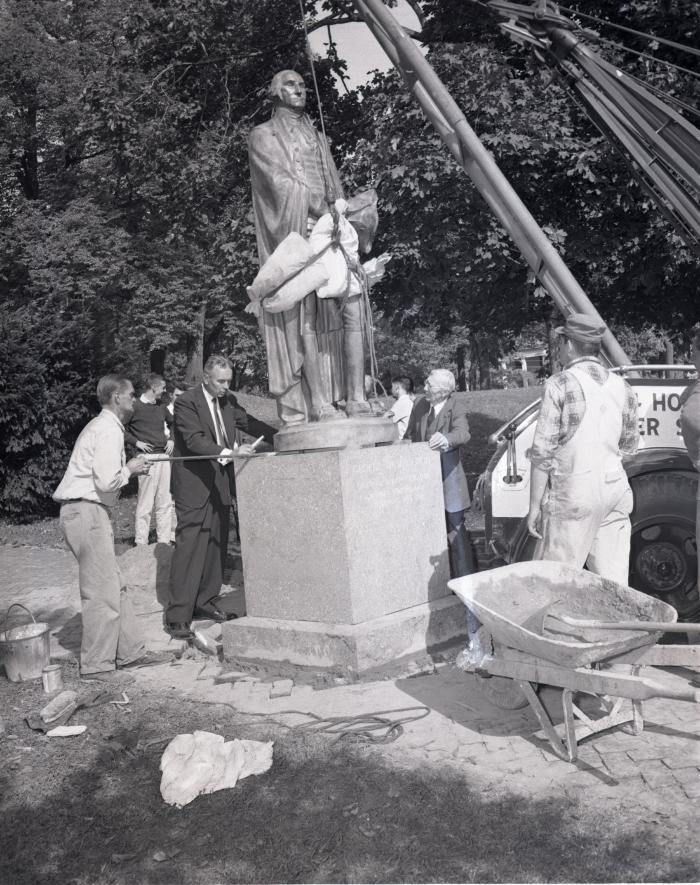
580 499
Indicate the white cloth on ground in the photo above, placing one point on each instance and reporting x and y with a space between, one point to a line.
203 762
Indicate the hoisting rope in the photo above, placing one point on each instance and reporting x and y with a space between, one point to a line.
366 321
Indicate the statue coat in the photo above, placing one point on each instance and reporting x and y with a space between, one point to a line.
282 203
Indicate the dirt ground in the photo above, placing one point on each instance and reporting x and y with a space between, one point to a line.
443 787
88 810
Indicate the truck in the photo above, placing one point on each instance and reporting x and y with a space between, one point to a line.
663 150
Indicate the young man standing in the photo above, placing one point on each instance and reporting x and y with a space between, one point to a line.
146 431
400 412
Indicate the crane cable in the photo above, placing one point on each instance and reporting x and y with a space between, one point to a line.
366 320
652 37
653 58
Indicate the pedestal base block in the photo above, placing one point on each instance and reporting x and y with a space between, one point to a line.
348 649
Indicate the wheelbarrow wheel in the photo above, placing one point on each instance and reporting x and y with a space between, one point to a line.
501 692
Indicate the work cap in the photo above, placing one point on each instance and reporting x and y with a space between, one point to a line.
581 327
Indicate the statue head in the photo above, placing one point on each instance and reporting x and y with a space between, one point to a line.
287 88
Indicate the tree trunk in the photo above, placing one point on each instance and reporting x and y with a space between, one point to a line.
463 367
27 166
553 319
484 367
157 357
194 367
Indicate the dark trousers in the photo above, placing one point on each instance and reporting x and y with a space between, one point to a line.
462 559
197 568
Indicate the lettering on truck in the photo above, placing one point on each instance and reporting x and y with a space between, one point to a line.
659 417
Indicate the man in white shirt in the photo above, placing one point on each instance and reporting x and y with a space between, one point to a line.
96 473
400 412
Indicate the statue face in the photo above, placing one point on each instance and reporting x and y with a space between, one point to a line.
291 90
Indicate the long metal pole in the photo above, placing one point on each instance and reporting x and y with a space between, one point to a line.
464 145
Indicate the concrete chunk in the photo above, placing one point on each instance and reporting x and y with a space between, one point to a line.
282 688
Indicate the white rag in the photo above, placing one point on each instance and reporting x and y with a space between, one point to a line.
200 763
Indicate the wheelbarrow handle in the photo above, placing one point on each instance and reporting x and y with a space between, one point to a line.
647 626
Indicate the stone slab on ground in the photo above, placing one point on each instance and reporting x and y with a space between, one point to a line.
145 570
342 536
354 649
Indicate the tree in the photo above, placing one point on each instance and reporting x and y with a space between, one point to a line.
454 264
127 213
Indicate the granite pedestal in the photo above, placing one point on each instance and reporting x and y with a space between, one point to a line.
345 559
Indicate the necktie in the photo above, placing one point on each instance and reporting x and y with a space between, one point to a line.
221 437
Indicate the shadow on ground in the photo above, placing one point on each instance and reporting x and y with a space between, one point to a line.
324 813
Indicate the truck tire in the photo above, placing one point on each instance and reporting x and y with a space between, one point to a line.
663 557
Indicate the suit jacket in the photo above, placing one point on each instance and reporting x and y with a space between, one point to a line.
194 482
452 423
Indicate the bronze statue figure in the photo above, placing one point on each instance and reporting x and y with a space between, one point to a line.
315 350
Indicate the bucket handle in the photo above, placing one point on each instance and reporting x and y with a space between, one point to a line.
17 605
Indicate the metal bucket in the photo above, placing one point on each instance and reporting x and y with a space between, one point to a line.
24 650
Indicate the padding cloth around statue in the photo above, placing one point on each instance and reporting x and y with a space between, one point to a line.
327 263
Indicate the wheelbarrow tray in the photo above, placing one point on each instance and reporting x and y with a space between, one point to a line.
514 601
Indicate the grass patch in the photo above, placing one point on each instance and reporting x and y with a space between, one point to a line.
487 410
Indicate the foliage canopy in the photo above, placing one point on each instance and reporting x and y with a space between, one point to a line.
127 233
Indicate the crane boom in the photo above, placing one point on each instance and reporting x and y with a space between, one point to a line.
464 145
661 147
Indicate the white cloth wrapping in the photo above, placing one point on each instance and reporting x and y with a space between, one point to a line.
342 283
277 276
203 762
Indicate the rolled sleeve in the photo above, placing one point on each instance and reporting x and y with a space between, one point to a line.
108 472
548 431
629 438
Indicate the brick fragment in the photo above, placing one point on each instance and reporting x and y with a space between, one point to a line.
282 688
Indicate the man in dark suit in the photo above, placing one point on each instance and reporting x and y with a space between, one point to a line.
208 421
438 419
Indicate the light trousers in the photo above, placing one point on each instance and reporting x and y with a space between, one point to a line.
154 493
587 522
110 634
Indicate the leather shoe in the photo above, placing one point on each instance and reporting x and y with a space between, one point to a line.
179 630
214 613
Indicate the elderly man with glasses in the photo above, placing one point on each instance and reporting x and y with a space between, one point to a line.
439 419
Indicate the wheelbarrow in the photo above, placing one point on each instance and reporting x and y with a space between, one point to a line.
545 623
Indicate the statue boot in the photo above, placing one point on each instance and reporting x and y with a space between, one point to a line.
321 409
355 402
